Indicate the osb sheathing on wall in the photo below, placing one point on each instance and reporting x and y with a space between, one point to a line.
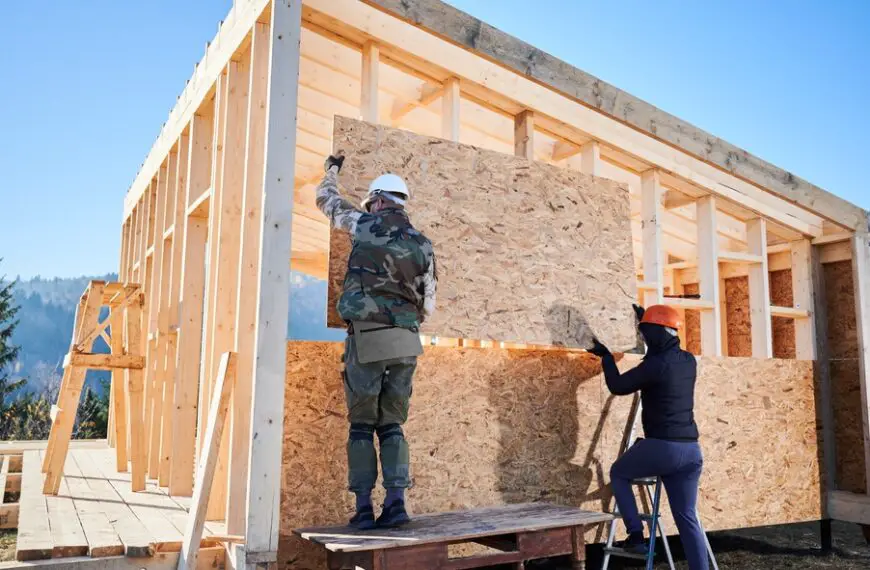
526 252
845 379
491 426
737 316
782 295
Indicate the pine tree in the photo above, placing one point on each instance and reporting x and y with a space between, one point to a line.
8 352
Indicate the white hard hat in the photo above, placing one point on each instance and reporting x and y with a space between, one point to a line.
391 183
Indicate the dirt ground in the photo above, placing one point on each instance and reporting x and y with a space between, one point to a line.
765 548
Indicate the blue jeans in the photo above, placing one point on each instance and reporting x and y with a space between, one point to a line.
679 465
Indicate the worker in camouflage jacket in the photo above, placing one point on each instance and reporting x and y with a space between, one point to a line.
389 289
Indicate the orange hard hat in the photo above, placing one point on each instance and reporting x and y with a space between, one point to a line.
662 315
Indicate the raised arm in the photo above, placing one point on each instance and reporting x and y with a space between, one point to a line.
430 284
632 380
340 211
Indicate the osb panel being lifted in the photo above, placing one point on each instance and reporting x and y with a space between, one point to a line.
526 252
489 427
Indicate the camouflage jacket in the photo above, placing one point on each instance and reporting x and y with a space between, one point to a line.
391 276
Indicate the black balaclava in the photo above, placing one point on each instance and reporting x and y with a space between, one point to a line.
657 337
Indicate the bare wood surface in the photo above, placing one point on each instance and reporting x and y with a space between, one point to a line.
102 540
34 533
455 526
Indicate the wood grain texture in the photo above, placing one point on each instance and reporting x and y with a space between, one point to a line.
490 427
782 295
526 252
737 316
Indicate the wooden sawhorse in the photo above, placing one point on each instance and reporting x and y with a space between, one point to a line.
516 532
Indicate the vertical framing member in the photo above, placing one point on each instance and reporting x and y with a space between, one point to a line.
369 83
759 291
708 276
802 284
653 268
861 277
524 135
450 105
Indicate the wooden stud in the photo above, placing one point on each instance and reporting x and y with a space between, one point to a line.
708 274
524 135
759 290
822 370
369 83
190 312
450 104
861 277
119 394
273 301
653 269
246 298
206 470
590 159
802 283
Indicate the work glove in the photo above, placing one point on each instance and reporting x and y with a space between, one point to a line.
598 349
333 160
639 311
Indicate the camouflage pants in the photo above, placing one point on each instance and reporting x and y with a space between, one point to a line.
378 397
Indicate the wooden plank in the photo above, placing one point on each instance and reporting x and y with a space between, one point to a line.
34 532
135 538
524 135
9 516
119 393
104 361
135 397
590 158
207 467
759 291
4 476
211 558
833 238
246 299
455 526
653 271
861 277
802 284
369 83
835 252
741 257
273 304
708 275
102 540
789 313
849 507
697 304
67 535
450 104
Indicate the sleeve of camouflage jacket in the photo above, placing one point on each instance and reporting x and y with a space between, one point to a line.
430 284
341 213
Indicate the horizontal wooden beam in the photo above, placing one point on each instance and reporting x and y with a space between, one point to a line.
739 257
788 312
849 507
833 238
104 361
698 304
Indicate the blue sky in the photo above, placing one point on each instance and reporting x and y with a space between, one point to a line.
87 86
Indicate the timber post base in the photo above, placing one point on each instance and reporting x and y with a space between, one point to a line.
513 533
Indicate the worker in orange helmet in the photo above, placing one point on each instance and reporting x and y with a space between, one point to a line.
670 449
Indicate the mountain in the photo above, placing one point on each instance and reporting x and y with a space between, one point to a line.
48 310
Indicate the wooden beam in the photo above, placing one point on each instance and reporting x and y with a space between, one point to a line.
524 135
789 313
133 345
563 150
369 83
849 507
741 257
697 304
833 238
590 159
104 361
450 103
861 278
273 300
246 298
759 290
822 370
207 469
802 285
653 270
429 92
708 274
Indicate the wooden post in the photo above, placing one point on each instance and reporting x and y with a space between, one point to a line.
708 276
759 290
273 285
802 283
861 277
205 472
195 232
369 83
524 135
246 304
119 397
823 375
450 110
653 268
590 160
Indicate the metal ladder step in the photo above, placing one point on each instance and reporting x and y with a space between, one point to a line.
623 553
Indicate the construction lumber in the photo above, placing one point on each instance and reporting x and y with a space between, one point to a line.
653 270
246 299
823 378
104 361
34 532
590 159
133 323
802 283
708 277
205 472
556 394
211 558
759 290
524 135
572 226
450 105
369 83
599 99
861 277
273 283
101 538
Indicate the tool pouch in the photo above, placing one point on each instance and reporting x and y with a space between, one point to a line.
376 342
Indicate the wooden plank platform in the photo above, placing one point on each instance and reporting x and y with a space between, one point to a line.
95 513
517 532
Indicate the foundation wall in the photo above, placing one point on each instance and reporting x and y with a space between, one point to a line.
501 426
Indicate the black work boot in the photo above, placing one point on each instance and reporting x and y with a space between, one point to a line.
635 544
364 519
394 515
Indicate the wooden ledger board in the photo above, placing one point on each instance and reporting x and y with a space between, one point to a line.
526 252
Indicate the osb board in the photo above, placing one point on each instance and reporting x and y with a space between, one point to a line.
490 426
737 316
693 322
782 295
526 252
845 379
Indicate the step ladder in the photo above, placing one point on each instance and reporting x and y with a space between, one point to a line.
651 489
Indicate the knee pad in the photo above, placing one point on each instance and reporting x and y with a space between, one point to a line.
362 432
390 430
